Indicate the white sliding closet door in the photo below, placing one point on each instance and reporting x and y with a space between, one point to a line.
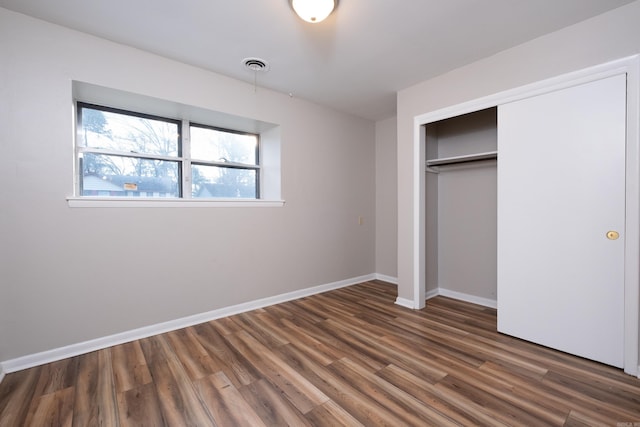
561 189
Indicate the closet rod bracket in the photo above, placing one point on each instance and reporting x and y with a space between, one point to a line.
430 169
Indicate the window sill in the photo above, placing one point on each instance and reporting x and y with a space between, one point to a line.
102 202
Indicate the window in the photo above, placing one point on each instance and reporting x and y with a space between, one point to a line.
128 154
223 163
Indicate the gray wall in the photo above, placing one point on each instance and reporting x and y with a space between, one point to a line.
386 198
73 274
466 199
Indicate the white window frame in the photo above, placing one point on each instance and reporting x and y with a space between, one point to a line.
268 156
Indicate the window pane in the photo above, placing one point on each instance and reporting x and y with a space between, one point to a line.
128 133
219 146
213 181
104 175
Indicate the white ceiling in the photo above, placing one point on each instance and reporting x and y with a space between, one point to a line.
355 61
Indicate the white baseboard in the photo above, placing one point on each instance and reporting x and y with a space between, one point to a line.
72 350
491 303
432 293
485 302
404 302
1 374
385 278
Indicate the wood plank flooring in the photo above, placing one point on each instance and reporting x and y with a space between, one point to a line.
348 357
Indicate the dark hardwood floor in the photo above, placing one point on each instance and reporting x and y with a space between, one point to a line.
346 357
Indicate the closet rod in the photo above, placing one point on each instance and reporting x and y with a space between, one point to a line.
445 161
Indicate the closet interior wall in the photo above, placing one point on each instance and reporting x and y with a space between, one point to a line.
461 207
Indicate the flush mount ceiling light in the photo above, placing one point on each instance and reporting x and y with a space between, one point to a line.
313 11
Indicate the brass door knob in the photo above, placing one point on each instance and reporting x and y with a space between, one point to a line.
613 235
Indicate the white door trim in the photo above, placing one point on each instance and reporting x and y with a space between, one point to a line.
629 66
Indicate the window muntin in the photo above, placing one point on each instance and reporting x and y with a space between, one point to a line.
127 154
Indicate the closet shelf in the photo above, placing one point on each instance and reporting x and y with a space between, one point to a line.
463 159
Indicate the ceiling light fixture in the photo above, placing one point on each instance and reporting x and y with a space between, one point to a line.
313 11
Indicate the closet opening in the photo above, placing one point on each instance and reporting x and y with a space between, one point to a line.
461 207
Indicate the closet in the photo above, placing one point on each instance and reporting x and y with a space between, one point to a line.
530 203
461 206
